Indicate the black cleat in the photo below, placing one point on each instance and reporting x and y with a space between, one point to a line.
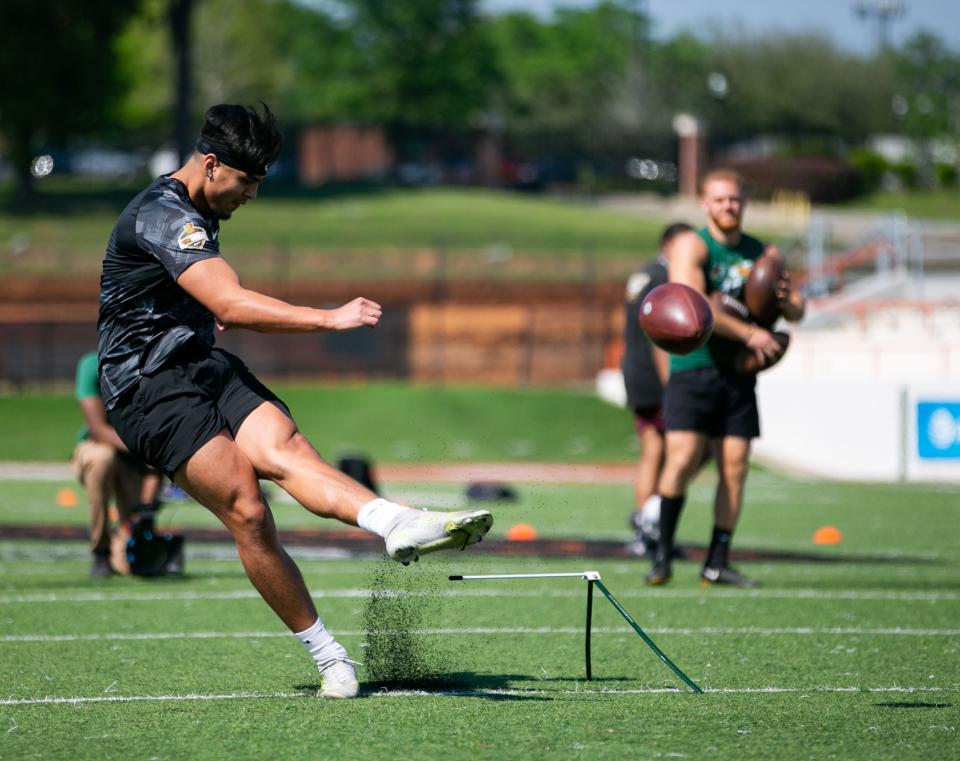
660 573
726 575
641 547
100 569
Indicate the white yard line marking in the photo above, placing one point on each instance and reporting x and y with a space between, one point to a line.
55 700
577 592
762 631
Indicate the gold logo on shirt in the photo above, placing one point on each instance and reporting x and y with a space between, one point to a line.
192 237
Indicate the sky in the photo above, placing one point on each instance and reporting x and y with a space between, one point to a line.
835 17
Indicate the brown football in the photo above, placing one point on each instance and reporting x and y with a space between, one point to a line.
745 361
760 290
676 317
735 356
728 305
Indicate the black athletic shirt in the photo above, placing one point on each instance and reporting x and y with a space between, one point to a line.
643 385
144 314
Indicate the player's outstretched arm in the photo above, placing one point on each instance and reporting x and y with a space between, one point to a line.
215 284
792 303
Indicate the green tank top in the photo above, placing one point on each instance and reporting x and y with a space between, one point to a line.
726 269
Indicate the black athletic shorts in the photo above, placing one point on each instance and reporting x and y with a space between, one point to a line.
708 401
178 408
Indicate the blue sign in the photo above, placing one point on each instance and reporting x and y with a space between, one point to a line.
938 430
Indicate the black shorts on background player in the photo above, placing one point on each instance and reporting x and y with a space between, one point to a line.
713 402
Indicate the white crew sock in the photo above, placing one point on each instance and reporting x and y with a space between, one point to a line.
650 517
318 641
380 516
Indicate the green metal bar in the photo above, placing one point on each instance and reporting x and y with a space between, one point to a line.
650 643
590 583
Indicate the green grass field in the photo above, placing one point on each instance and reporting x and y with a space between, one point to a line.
391 422
427 234
398 233
854 659
922 204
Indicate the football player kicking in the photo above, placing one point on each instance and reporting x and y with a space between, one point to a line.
198 414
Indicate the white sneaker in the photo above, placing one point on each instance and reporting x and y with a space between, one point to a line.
338 677
429 531
649 522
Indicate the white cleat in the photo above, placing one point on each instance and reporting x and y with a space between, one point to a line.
338 677
429 531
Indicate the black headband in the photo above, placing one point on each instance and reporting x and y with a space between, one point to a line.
226 155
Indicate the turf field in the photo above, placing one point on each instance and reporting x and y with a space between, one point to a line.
854 655
392 422
925 204
379 235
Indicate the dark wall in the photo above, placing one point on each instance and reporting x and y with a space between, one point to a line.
43 352
380 352
47 352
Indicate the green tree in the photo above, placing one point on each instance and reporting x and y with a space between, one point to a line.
326 79
237 52
156 71
680 67
669 78
58 72
562 74
146 73
927 86
799 85
427 66
181 56
927 107
422 67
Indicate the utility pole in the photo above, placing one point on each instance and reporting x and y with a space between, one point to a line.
180 12
883 13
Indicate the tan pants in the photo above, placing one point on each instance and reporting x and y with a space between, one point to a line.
107 476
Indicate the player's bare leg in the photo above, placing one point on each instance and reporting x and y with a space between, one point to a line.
645 519
96 466
683 458
652 451
684 452
733 461
220 477
279 452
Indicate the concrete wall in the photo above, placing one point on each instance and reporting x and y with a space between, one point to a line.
870 400
837 429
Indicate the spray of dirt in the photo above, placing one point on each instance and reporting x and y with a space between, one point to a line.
397 652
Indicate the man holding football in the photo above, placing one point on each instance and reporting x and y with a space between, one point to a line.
707 402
